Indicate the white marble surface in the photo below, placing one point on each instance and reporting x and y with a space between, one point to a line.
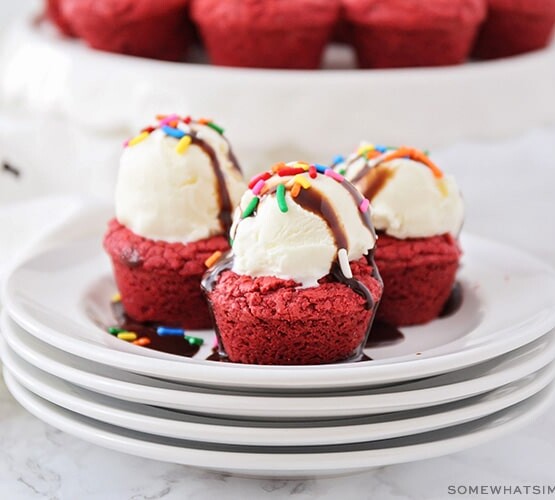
509 189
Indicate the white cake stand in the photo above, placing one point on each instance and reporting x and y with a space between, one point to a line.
66 108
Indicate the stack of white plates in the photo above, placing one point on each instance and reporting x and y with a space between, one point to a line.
451 384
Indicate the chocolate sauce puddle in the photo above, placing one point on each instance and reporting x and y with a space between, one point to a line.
454 302
169 344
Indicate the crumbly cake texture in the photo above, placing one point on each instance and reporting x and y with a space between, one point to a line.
418 276
266 33
410 33
271 321
159 281
158 30
515 27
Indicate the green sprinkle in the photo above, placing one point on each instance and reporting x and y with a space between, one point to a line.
215 127
426 152
194 340
342 171
115 330
251 207
230 242
280 194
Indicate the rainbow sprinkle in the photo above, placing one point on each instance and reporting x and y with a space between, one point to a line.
280 196
194 340
215 127
215 257
251 207
114 330
334 175
344 264
141 137
143 341
128 336
183 144
166 331
302 180
258 187
364 205
174 132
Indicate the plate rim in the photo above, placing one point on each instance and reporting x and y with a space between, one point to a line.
277 464
281 407
60 394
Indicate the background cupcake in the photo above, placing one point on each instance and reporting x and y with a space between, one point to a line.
300 285
266 33
405 33
515 27
177 185
418 212
143 28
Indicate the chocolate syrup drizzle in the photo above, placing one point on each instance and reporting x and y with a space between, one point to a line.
224 199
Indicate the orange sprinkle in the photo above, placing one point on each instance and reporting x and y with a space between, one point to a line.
373 153
142 341
161 117
295 190
416 155
210 261
173 124
204 121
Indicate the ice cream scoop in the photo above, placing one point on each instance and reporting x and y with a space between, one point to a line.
178 181
410 196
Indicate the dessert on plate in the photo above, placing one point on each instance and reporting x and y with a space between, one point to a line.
515 27
266 33
300 285
418 213
408 33
177 186
159 30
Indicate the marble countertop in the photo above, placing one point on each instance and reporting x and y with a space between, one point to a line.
510 196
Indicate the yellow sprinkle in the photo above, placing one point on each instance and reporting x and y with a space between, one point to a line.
141 137
129 336
362 150
442 186
210 261
116 297
303 165
183 144
303 181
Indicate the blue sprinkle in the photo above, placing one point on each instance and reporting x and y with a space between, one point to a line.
164 331
174 132
320 168
381 149
338 159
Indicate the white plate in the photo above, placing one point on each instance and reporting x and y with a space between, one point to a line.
56 294
284 462
411 395
180 425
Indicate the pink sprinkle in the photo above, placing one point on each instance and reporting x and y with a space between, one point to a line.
126 143
364 204
168 119
215 344
258 187
334 175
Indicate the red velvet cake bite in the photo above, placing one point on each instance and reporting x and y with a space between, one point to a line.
158 30
409 33
300 285
418 213
515 27
266 33
177 186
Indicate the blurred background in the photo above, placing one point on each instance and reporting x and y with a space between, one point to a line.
66 107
